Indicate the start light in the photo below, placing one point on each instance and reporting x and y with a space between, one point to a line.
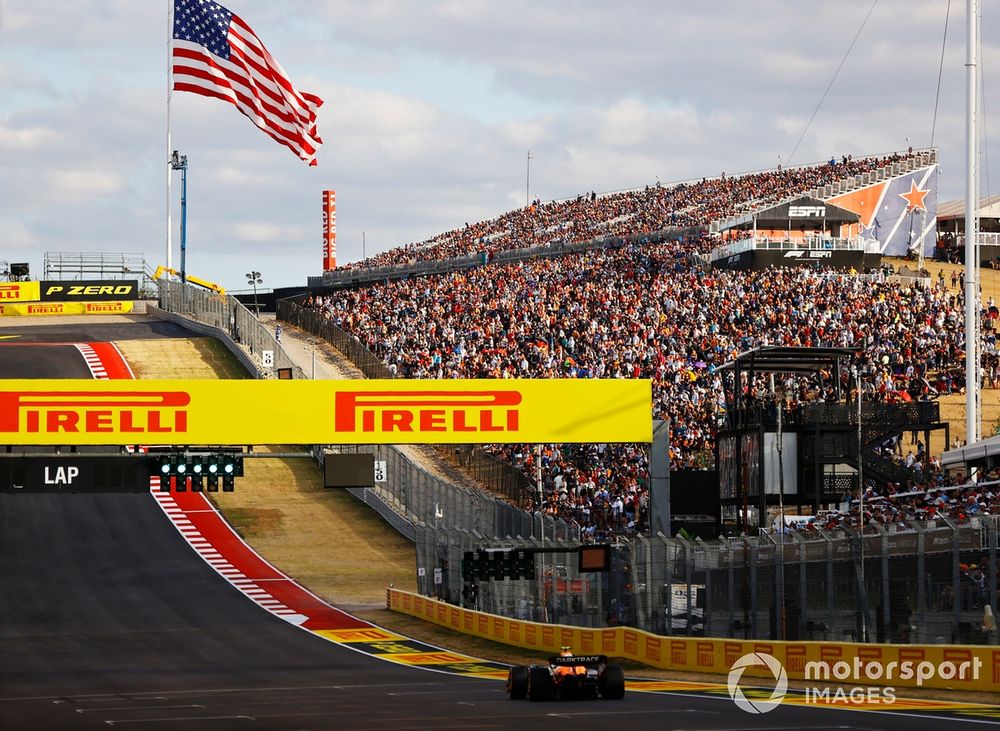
177 470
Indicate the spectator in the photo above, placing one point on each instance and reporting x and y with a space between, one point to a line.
641 211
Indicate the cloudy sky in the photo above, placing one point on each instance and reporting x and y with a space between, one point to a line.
431 108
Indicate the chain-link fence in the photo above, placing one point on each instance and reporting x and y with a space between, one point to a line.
929 583
425 500
227 315
933 582
558 593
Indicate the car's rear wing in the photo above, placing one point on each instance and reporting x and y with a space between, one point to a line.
579 660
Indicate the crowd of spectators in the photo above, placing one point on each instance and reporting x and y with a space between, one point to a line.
898 505
651 209
645 311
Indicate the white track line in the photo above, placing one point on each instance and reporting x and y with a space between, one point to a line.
93 361
246 585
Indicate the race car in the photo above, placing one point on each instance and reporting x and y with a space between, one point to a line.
567 676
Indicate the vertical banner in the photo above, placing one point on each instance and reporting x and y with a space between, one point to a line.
329 230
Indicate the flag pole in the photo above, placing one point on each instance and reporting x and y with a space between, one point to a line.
972 301
170 35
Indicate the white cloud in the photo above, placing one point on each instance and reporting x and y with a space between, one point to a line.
25 138
260 231
233 175
70 185
14 234
525 132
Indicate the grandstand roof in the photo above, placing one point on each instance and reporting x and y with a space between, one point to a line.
806 209
978 450
784 211
988 208
782 359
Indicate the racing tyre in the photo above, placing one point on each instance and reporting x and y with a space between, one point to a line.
517 682
540 684
611 683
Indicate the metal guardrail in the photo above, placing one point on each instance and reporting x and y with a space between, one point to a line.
354 276
809 243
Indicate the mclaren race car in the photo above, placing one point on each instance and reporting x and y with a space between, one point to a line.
567 676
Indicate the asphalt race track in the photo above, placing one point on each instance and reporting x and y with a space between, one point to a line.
109 619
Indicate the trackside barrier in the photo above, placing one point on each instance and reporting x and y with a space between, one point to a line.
26 309
979 666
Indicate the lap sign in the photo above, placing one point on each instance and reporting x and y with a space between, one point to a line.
61 475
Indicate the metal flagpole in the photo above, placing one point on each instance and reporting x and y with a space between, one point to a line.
971 250
527 182
170 36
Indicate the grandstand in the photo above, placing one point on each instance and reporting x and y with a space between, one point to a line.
617 286
686 209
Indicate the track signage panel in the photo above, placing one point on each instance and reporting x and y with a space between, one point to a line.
65 308
74 473
324 412
18 292
90 290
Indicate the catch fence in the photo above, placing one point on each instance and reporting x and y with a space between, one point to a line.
927 583
230 319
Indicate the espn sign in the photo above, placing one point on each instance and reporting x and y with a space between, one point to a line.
812 254
807 211
566 410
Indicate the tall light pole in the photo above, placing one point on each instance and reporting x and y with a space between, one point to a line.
971 248
856 372
527 182
180 162
253 278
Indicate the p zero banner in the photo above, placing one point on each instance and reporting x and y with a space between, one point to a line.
324 412
65 308
89 291
18 292
329 230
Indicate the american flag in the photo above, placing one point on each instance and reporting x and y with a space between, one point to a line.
216 54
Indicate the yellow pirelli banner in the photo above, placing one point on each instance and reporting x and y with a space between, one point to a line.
19 292
324 412
956 667
64 308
